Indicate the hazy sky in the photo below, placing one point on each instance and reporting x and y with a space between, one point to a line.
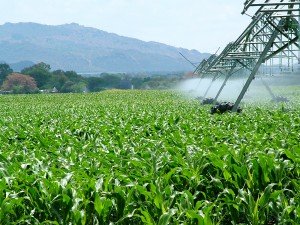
204 25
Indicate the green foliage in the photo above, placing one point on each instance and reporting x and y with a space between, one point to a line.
73 76
146 157
70 81
105 81
5 70
40 72
137 81
58 80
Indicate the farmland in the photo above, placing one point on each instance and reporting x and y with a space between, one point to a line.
147 157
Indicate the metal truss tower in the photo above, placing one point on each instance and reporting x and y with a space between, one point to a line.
272 34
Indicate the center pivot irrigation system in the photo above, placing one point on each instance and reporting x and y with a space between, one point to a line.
273 34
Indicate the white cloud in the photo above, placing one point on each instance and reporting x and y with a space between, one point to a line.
199 24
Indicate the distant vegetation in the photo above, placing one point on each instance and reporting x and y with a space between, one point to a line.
39 77
19 83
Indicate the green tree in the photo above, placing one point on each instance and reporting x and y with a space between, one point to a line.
95 84
137 82
5 70
74 83
107 81
111 80
74 87
40 72
73 76
58 80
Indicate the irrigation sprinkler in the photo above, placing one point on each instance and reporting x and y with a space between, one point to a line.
260 60
273 33
274 28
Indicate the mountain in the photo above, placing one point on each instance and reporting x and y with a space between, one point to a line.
85 49
18 66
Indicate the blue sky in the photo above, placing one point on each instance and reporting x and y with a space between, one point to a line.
204 25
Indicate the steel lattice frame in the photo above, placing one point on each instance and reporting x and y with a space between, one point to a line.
273 33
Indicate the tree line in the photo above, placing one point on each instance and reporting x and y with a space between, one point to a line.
40 78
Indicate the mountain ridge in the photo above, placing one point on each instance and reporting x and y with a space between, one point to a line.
86 49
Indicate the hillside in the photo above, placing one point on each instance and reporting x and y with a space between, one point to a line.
85 49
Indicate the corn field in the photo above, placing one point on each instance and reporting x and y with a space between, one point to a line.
146 157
